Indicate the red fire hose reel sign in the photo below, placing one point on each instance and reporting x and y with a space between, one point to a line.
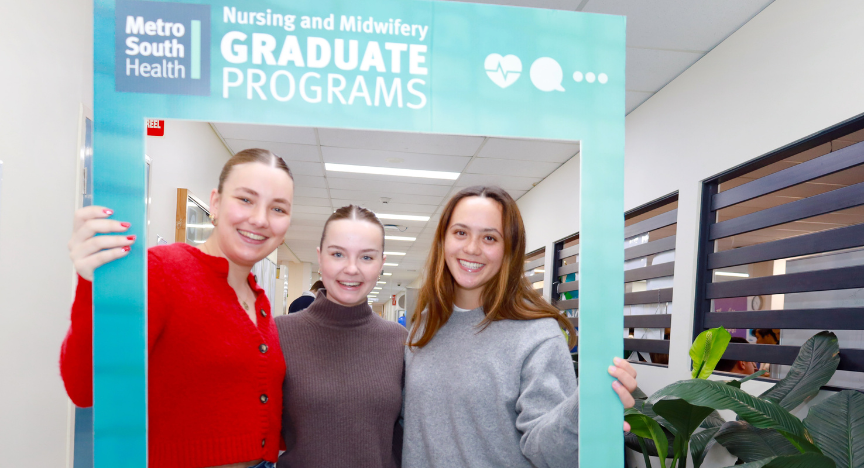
155 127
394 299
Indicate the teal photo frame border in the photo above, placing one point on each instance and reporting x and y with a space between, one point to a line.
460 98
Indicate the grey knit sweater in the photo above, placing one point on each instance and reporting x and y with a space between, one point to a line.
501 397
342 393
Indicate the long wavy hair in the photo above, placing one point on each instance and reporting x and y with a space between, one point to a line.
507 296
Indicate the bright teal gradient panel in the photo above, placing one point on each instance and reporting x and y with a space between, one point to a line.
460 99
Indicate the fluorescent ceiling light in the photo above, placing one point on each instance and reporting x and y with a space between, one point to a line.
402 217
376 288
387 274
382 282
400 238
729 273
391 171
394 253
391 264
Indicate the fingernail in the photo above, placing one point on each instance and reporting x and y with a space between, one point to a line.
131 237
127 248
617 360
125 225
612 368
108 212
616 385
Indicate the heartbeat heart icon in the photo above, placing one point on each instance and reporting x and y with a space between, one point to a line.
503 71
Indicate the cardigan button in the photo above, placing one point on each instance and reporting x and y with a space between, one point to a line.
264 398
263 442
263 313
262 348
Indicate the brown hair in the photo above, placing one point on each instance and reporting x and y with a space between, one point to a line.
353 212
317 285
259 155
507 296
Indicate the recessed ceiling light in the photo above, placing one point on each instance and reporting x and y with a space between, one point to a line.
382 282
400 238
391 171
730 273
376 288
394 253
391 264
387 274
402 217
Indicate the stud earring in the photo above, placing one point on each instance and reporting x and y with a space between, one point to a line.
212 219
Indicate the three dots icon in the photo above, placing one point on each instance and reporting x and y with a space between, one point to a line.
590 77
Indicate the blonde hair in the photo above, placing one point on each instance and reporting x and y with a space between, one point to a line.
259 155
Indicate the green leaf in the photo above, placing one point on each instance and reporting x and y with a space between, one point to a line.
701 443
684 418
816 363
837 427
804 460
753 376
752 444
713 420
712 394
643 426
707 350
631 441
638 394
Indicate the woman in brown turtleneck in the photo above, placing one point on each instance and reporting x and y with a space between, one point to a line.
344 378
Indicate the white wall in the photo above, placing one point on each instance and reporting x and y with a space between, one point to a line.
46 51
189 156
545 220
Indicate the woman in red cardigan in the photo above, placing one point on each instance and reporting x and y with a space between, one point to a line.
215 366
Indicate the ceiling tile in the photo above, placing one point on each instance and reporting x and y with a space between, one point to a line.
310 181
308 219
310 192
454 145
393 159
376 194
679 24
379 207
300 135
311 201
505 182
650 69
301 169
321 210
290 152
511 167
529 150
635 99
374 180
395 187
294 234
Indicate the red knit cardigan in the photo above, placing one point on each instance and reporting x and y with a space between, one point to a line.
215 379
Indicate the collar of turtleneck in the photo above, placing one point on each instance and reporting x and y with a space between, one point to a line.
330 314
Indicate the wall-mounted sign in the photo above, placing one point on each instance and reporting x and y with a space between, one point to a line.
155 127
410 65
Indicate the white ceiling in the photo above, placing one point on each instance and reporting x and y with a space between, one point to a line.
515 165
664 38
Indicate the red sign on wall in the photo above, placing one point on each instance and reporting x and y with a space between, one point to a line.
155 127
394 299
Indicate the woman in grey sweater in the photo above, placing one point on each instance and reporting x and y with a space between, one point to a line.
489 380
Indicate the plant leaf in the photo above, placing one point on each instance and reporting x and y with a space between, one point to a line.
645 427
752 444
752 376
712 394
713 420
802 460
631 441
837 427
638 394
707 350
816 363
701 443
683 416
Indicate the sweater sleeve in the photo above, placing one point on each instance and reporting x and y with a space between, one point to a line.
548 406
76 353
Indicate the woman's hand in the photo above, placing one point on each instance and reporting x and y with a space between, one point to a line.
626 383
89 251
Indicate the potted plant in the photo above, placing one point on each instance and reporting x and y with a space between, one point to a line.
682 418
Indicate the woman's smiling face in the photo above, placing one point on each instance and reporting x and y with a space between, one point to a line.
474 247
351 257
253 212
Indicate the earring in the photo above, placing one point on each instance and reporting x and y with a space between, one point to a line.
212 219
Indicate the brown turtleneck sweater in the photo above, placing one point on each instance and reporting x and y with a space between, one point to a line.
342 394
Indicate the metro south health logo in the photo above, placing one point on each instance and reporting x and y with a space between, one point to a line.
162 48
